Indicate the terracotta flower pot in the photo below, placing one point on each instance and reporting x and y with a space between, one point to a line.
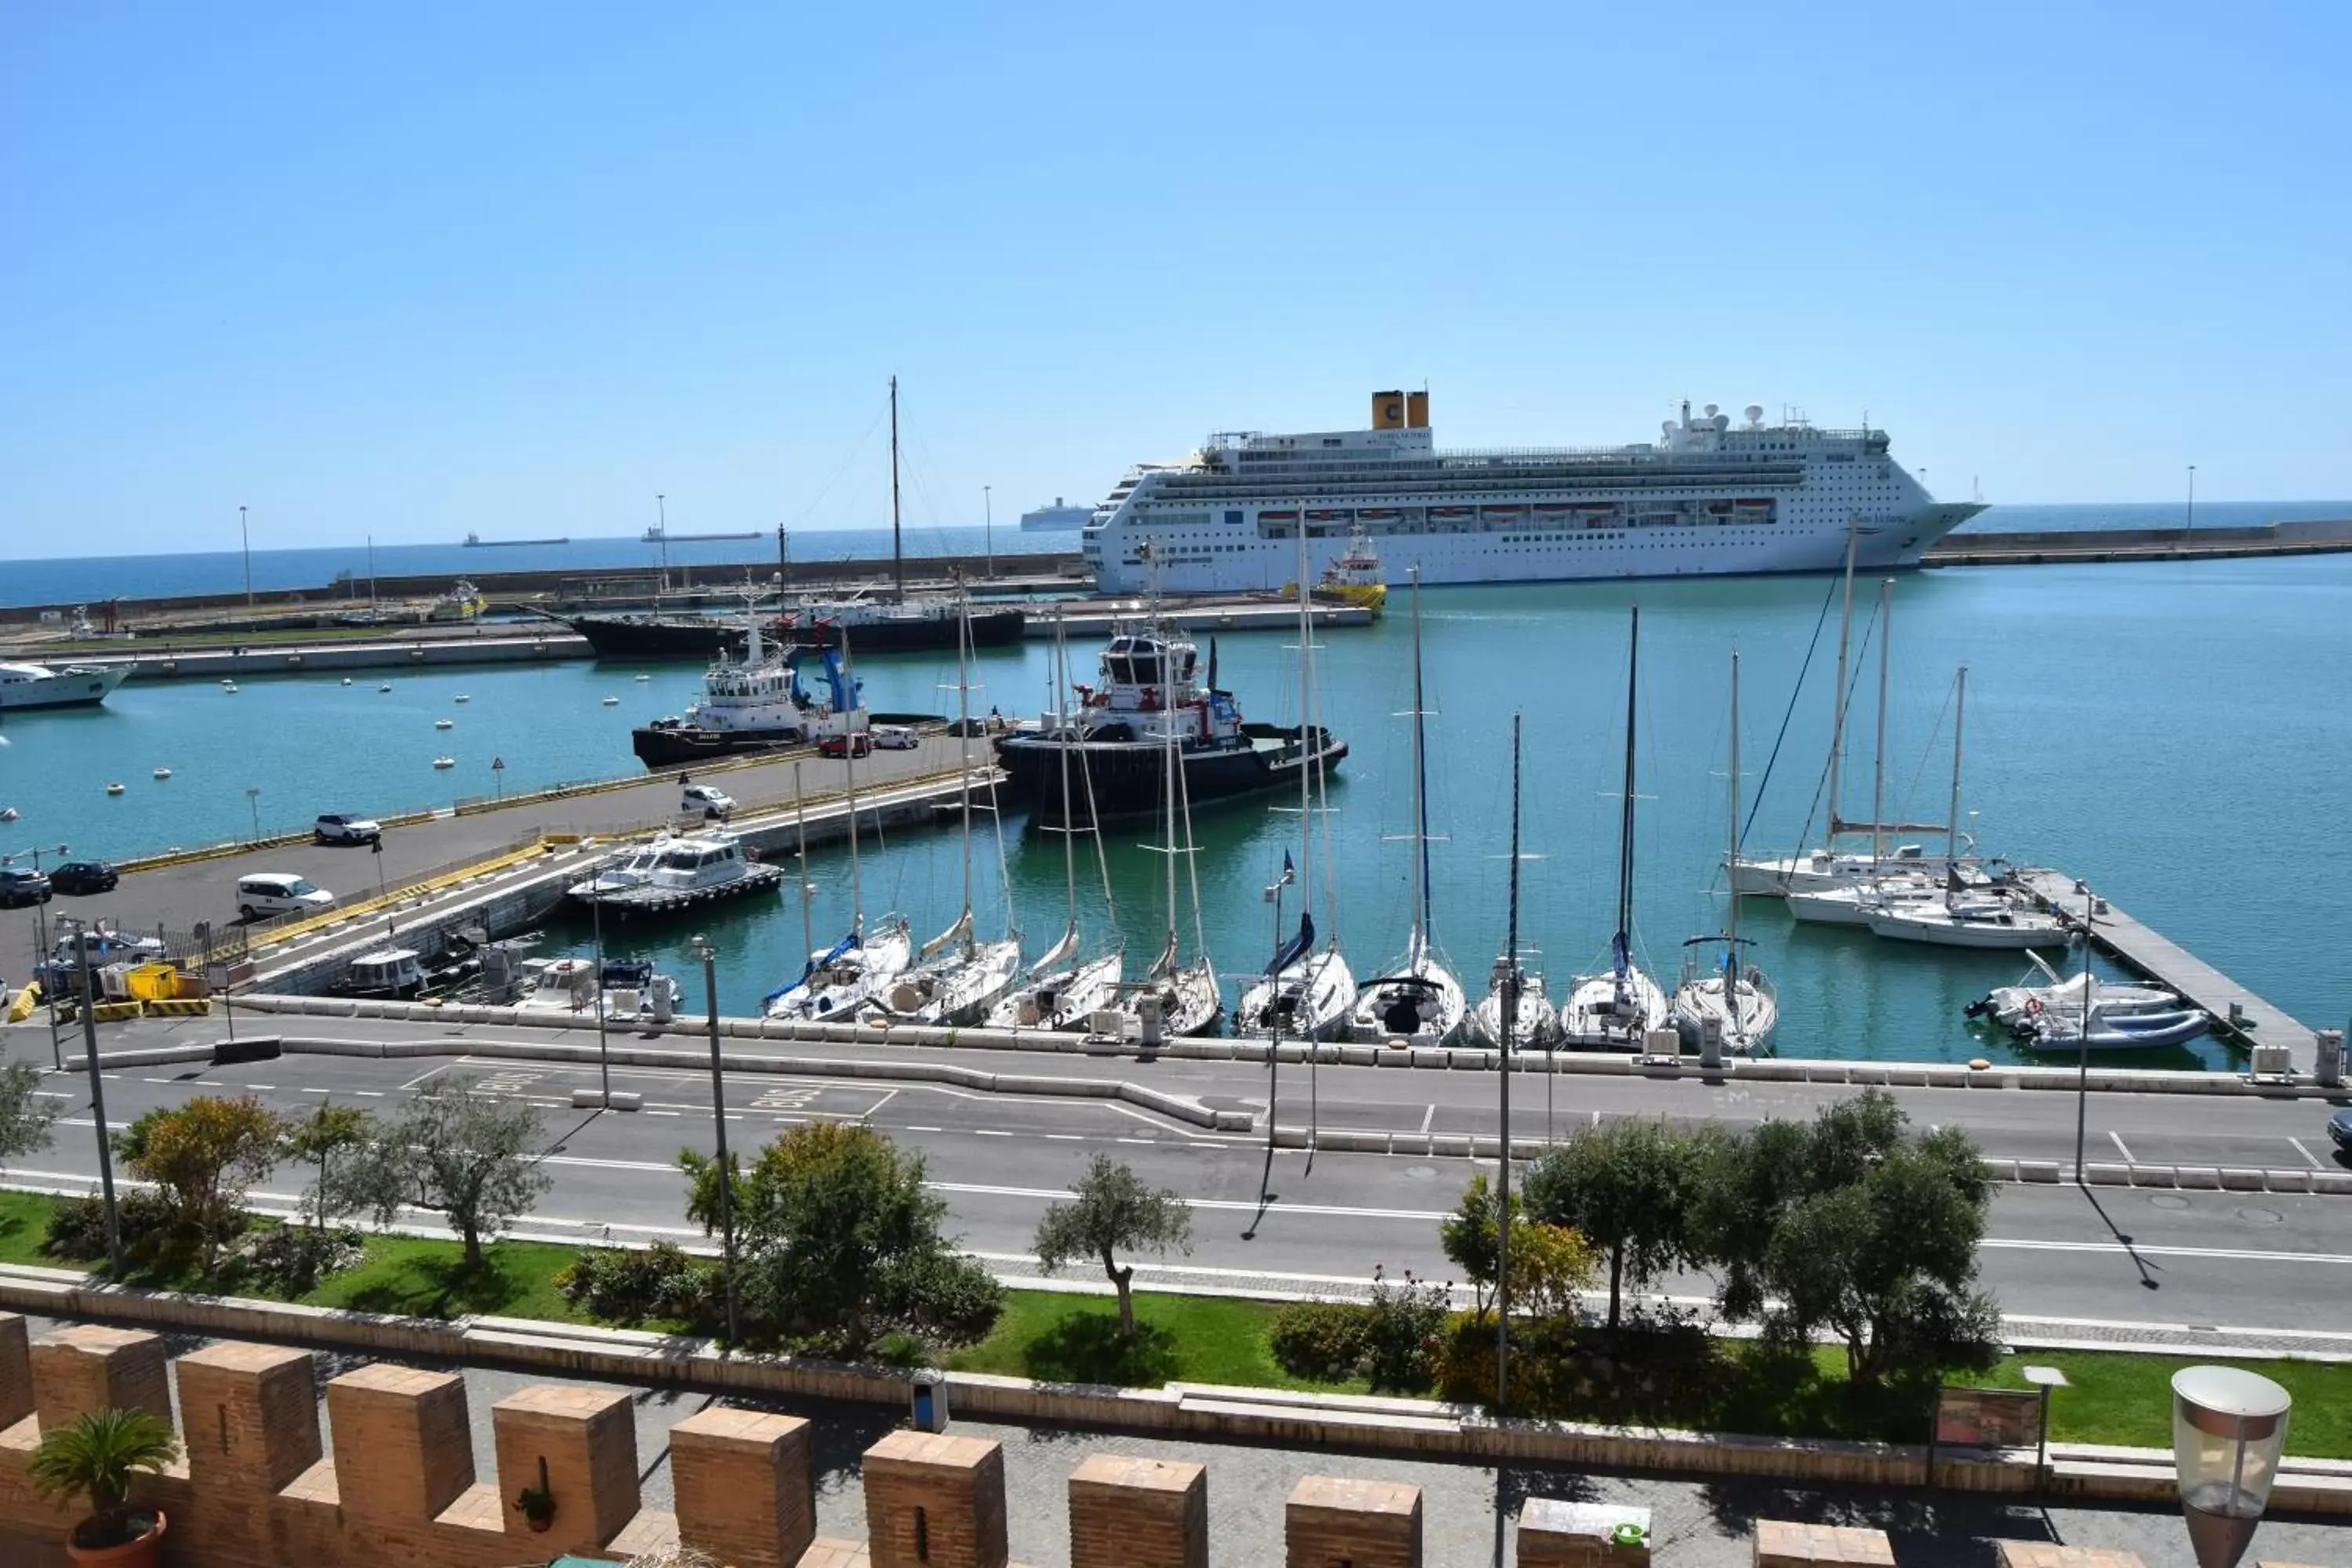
147 1551
541 1525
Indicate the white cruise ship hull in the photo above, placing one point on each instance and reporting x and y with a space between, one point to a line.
78 686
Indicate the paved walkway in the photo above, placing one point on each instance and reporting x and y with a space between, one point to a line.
1697 1524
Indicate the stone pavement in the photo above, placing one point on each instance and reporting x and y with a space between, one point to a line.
1697 1524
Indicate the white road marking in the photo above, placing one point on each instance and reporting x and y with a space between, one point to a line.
911 1127
50 1094
2307 1154
159 1080
1063 1137
370 1093
1428 1115
308 1089
268 1088
989 1133
422 1078
2123 1148
663 1113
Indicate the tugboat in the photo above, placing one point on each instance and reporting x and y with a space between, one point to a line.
1351 579
758 705
1152 700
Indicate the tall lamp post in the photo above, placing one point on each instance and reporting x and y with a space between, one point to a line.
988 526
253 799
245 542
2228 1427
41 953
718 1122
2190 526
97 1092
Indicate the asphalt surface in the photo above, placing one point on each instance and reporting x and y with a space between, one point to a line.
1695 1524
177 896
2111 1258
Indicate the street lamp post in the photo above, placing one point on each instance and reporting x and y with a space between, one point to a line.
2189 527
253 800
718 1122
988 526
244 541
41 953
2229 1427
96 1095
662 503
603 1047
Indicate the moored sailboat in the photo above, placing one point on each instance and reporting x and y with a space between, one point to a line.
1617 1010
1731 1007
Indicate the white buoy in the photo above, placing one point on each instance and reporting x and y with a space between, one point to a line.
463 697
347 680
163 773
645 677
385 686
445 723
612 702
445 761
7 813
114 789
229 687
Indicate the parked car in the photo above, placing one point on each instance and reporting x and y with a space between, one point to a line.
2339 1128
337 828
709 800
80 877
19 886
857 744
279 893
893 737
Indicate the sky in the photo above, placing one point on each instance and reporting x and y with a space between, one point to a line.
410 271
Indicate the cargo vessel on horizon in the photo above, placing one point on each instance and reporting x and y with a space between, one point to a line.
1706 499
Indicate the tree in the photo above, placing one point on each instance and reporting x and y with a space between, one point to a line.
837 1236
474 1157
203 1156
1114 1213
1549 1263
1853 1226
1625 1186
25 1118
328 1131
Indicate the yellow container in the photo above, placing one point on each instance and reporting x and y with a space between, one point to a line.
152 983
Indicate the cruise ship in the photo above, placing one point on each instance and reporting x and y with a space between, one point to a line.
1707 499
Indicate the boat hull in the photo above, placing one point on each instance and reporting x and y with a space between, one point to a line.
706 636
85 686
1126 780
1932 929
670 747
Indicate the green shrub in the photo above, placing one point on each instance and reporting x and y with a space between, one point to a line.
946 1299
293 1259
630 1286
1325 1341
1404 1323
76 1231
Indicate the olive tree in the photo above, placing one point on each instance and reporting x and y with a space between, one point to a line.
474 1157
202 1157
25 1118
1113 1212
1626 1187
1549 1263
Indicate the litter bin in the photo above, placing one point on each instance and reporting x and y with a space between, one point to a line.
929 1400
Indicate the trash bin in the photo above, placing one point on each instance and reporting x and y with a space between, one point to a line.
929 1400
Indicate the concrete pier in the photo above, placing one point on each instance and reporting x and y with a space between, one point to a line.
2238 1014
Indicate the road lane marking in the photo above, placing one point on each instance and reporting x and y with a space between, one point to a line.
665 1114
989 1133
370 1093
2307 1154
1428 1114
2123 1148
910 1126
1063 1137
270 1087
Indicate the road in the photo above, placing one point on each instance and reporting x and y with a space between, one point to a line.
177 896
2251 1261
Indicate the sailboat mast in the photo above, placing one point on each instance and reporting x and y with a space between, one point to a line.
1837 697
1959 727
1732 916
1626 818
1067 724
849 756
963 748
898 546
1421 893
1306 778
1878 760
800 828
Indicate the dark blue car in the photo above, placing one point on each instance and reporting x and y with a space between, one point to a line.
78 877
2340 1126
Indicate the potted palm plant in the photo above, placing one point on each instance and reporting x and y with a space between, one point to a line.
538 1506
95 1457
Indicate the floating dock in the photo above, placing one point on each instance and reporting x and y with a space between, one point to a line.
2238 1014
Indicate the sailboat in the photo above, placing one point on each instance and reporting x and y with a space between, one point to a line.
835 982
1063 988
1514 1012
1830 867
1420 997
1737 1009
1967 914
1617 1010
1186 996
955 979
1307 993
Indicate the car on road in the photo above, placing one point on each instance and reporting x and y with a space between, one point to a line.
707 801
261 893
19 886
75 878
2339 1128
336 829
857 744
893 738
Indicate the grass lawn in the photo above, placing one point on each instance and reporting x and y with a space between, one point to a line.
1178 1339
2114 1397
2118 1398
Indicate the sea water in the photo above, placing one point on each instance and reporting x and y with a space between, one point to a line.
2175 733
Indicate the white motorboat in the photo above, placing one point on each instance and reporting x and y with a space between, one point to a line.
1978 919
559 985
687 868
1617 1010
2056 1029
2016 1007
26 686
1419 997
1728 1008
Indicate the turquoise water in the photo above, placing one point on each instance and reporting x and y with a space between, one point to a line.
2175 733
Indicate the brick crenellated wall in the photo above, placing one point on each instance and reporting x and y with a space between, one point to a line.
1330 1522
935 1501
1128 1512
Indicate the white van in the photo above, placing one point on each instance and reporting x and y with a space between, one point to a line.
279 893
707 801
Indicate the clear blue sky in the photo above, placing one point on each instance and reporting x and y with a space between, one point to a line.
416 269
